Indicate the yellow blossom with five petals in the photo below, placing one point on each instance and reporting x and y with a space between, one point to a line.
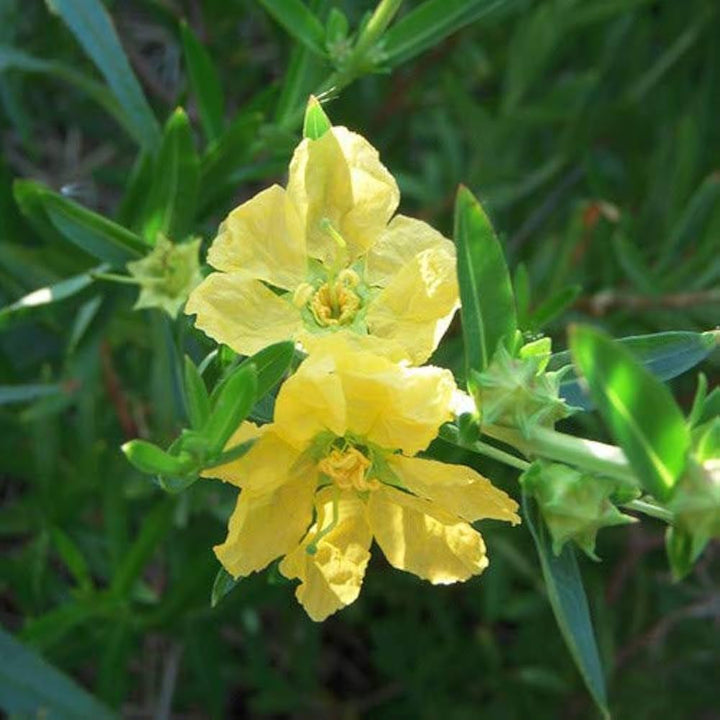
336 469
325 255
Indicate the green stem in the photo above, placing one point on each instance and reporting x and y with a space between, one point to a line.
378 23
650 509
450 434
357 60
589 455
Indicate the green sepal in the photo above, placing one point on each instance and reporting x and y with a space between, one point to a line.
682 551
574 505
516 392
316 122
223 584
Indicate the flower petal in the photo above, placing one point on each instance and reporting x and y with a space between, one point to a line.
393 406
421 538
399 243
456 488
340 177
265 239
331 578
417 306
241 312
267 464
311 401
265 526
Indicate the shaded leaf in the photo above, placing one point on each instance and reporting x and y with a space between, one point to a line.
569 603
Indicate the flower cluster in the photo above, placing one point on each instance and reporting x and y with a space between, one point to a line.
367 296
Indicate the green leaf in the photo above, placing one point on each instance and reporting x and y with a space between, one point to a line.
72 556
299 22
224 583
316 122
432 21
567 597
93 28
204 83
226 155
13 59
271 363
487 304
94 233
155 525
232 405
31 687
47 295
691 223
666 355
10 394
151 459
554 306
173 194
639 410
197 400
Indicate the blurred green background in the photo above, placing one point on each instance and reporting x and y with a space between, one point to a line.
589 129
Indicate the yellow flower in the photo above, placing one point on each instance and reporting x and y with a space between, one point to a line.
324 256
336 469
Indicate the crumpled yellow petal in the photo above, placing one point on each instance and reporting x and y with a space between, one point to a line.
331 578
265 526
267 464
398 244
421 538
311 401
456 488
418 304
340 177
356 342
264 238
242 313
344 389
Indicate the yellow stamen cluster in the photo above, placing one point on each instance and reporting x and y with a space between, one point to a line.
348 470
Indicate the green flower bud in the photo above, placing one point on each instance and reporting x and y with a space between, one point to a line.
574 505
517 392
167 275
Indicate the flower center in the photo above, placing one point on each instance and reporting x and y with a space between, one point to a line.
348 469
334 304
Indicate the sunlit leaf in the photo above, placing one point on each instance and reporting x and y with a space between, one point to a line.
639 410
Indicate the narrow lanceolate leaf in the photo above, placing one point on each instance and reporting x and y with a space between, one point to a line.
47 295
666 355
204 83
31 687
638 409
94 233
270 364
431 21
488 307
173 194
14 59
197 400
569 603
299 22
316 122
93 28
231 407
10 394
